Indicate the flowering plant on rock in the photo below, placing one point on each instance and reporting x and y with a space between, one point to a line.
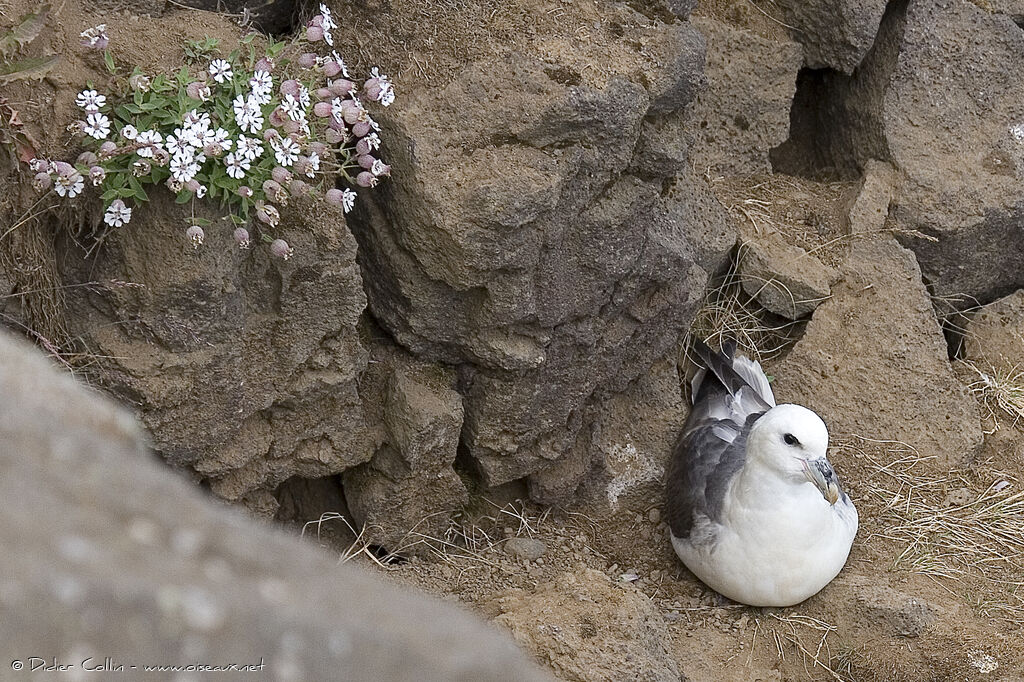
244 130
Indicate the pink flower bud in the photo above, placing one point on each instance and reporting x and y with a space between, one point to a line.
271 134
213 149
195 235
298 187
351 112
342 87
193 185
244 191
318 148
63 169
335 197
42 182
39 165
372 89
280 249
97 174
317 21
290 87
271 188
302 165
174 185
314 34
335 136
86 159
336 123
363 146
332 68
323 93
281 175
366 161
322 109
366 179
266 213
278 118
307 60
107 149
291 127
242 238
361 129
264 64
161 157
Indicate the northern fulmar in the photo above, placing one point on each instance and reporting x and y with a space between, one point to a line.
755 508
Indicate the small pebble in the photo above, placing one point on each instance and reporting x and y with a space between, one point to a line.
527 549
654 515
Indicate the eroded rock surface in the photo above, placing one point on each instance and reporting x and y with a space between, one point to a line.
835 34
113 555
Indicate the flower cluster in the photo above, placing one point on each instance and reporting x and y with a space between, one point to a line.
247 132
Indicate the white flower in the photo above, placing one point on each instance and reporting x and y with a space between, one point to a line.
336 110
239 106
129 132
249 147
90 100
286 151
196 121
220 69
341 63
183 166
252 123
97 125
260 97
201 191
221 139
348 200
1017 132
292 107
37 165
304 96
387 90
248 115
95 36
373 140
176 142
152 139
314 164
70 186
378 168
117 214
236 165
262 82
325 11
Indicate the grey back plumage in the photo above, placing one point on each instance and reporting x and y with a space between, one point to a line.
728 398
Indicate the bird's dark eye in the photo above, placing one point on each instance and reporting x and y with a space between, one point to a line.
790 439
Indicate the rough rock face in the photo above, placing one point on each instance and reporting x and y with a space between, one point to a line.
784 278
537 264
744 111
941 98
244 368
409 485
890 610
995 335
118 557
835 34
589 630
878 335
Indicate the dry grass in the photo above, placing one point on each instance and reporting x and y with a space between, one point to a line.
999 390
965 528
809 637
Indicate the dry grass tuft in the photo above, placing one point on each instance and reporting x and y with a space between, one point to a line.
965 526
809 636
999 390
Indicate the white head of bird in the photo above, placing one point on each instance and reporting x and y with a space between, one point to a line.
791 442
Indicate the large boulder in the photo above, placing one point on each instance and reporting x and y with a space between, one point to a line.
878 335
512 242
941 98
835 34
744 111
109 556
243 367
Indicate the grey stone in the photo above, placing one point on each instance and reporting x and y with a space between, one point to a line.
878 334
576 624
527 549
244 368
835 34
994 336
784 278
110 554
744 111
540 268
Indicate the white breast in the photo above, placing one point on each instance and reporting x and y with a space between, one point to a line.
773 547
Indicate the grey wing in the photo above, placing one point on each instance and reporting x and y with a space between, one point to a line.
709 454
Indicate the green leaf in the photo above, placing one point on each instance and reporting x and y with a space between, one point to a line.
108 58
28 29
109 196
201 222
25 69
184 196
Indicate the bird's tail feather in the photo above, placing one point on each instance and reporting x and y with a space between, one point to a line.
721 368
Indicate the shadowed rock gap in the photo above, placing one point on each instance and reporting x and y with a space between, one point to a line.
835 121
